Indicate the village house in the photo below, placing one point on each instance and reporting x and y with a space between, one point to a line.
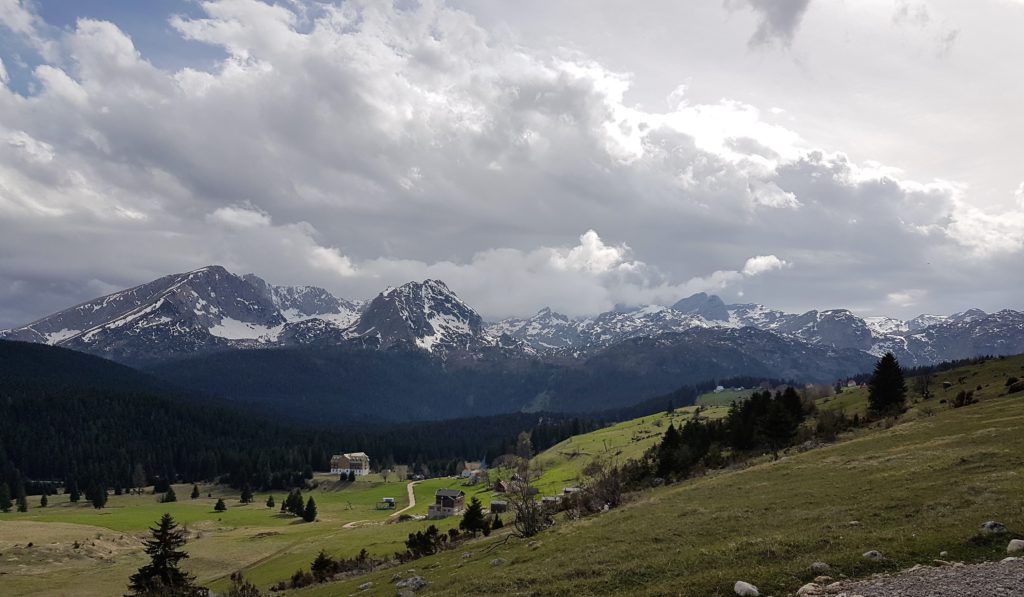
499 506
355 462
468 468
447 502
500 486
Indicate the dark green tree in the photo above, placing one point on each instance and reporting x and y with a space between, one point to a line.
887 390
97 495
246 496
161 576
220 505
20 497
169 496
195 492
473 520
5 498
309 513
73 493
43 501
778 427
322 567
270 502
241 587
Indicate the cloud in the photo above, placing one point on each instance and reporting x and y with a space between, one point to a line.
359 144
760 264
778 20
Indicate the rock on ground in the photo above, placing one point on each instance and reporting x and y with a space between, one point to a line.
745 589
990 579
1015 546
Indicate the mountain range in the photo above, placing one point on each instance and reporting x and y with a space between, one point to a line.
180 325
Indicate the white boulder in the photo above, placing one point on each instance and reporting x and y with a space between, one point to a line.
745 589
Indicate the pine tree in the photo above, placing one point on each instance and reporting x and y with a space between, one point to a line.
5 498
195 492
270 502
887 390
43 501
220 506
473 520
73 493
246 496
241 587
98 495
20 498
309 514
322 567
162 576
169 496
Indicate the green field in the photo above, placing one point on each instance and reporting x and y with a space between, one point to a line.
916 488
723 398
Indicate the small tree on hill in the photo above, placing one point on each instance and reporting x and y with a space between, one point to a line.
43 501
270 502
73 494
473 520
5 498
887 390
220 506
169 496
195 492
241 587
246 496
309 513
161 576
20 497
98 495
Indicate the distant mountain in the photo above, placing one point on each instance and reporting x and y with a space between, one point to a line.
418 351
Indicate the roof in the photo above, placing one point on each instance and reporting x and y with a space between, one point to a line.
357 455
449 493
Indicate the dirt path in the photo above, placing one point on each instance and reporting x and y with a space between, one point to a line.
412 498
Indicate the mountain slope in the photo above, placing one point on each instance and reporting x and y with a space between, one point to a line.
698 537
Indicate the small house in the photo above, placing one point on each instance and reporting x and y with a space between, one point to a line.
447 502
352 462
468 468
499 506
500 486
550 501
569 490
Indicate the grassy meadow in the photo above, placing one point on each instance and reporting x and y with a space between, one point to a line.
911 489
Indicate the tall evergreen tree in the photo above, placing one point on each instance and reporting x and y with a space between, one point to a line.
309 513
5 498
161 576
246 496
20 497
887 390
270 502
73 494
170 496
220 506
473 519
98 495
43 501
195 492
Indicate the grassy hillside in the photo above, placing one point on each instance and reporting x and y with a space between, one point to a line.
910 490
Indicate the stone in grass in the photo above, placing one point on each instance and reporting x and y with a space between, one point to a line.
874 555
993 528
809 590
745 589
365 586
820 567
497 562
415 583
1016 545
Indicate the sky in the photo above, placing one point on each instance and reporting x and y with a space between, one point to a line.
576 154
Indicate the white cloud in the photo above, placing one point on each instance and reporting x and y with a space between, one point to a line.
358 144
760 264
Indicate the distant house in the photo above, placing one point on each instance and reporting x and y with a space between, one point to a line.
447 502
500 486
569 490
467 468
355 462
550 501
499 506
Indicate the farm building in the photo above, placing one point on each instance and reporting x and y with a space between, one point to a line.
500 486
447 502
499 506
356 462
469 468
